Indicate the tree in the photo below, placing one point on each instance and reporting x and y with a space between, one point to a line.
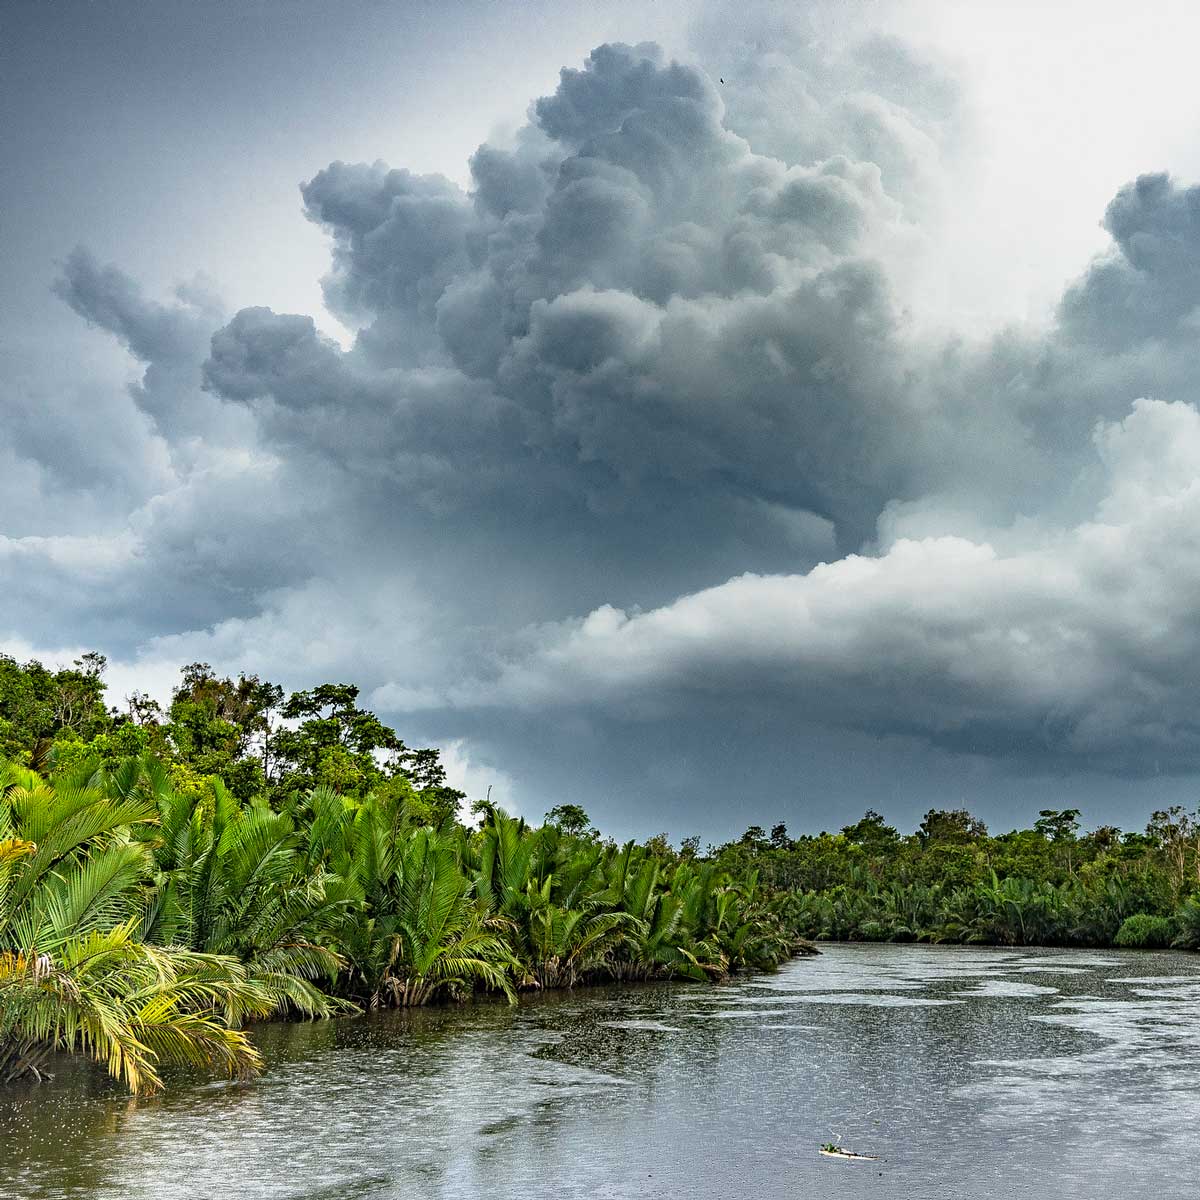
221 727
872 833
424 937
77 696
779 837
234 882
1062 829
75 973
1105 837
1176 834
143 709
570 819
339 745
335 743
38 706
953 826
433 800
1056 826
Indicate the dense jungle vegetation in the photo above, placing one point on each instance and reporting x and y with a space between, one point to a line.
952 881
169 875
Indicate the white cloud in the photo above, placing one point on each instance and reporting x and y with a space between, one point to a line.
480 780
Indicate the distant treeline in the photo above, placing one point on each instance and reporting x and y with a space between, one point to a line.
167 875
952 881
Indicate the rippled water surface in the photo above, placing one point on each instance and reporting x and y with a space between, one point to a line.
970 1072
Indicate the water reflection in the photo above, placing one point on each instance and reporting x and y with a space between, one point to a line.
972 1073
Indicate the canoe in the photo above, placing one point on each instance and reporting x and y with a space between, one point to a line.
848 1154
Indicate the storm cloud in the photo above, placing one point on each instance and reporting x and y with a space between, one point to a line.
638 426
1081 643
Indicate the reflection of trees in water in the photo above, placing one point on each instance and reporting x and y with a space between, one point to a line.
485 1100
593 1064
507 1094
67 1135
455 1094
589 1034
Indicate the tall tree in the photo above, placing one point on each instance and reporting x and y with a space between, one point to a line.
222 726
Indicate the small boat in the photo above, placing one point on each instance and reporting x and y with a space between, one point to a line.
831 1151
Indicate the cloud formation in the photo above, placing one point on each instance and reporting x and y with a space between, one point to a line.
638 422
630 301
1083 643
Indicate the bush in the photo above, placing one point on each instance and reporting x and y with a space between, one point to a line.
1144 932
874 931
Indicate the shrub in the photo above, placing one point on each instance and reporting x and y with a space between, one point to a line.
874 931
1145 932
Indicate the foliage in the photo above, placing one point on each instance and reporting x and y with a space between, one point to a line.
1145 932
75 971
147 910
171 874
570 818
952 881
38 706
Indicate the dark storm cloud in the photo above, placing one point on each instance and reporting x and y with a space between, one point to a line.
107 297
76 455
209 523
635 430
641 301
426 432
1082 644
399 240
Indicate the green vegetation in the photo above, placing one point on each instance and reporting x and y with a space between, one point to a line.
76 971
166 876
952 881
1145 932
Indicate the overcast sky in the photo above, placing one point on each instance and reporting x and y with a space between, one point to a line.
710 414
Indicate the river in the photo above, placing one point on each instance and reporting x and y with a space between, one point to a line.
971 1073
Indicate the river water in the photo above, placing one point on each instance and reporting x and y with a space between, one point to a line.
971 1073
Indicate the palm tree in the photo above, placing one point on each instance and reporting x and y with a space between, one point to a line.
235 880
418 933
567 943
129 1005
1016 911
75 975
442 942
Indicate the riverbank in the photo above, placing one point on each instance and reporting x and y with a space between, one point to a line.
208 912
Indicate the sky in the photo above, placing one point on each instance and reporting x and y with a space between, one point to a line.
710 414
